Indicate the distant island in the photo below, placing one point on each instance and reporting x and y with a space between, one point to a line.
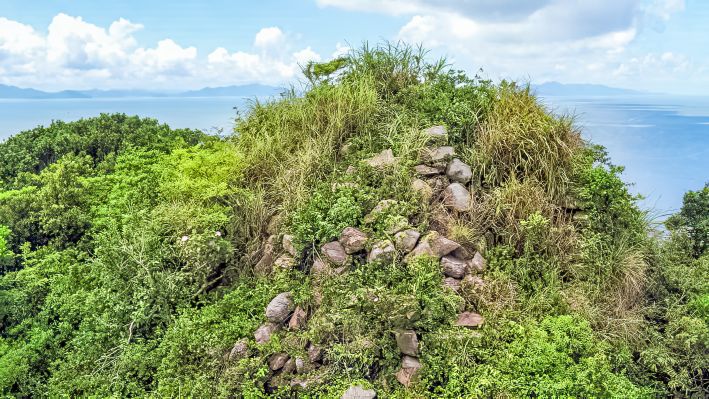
13 92
580 89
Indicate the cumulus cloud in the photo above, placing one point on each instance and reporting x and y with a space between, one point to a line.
77 54
541 39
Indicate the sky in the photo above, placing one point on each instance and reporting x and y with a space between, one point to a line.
648 45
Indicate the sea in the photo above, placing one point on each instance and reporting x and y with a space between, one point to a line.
661 140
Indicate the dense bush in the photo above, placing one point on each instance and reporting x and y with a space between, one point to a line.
127 250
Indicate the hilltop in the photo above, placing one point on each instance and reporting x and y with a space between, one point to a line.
399 229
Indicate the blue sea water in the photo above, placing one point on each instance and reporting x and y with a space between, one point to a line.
663 141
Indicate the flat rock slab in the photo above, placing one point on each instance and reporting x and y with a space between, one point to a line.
298 319
456 197
357 392
437 155
436 134
383 159
425 170
470 320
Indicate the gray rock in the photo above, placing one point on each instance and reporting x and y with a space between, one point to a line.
470 320
477 264
335 253
239 350
285 262
264 332
459 172
382 160
435 245
438 155
288 245
422 188
299 365
405 241
425 170
407 342
452 283
382 252
289 367
314 353
265 264
454 267
358 392
279 308
436 134
298 319
382 207
353 240
277 361
456 197
409 367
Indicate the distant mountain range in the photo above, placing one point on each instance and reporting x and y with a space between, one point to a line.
257 90
580 90
252 90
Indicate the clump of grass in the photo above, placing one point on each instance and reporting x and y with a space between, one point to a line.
522 140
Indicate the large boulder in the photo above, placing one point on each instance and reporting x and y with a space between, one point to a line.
407 342
405 241
436 134
459 172
335 253
454 267
280 307
382 252
264 332
383 159
358 392
353 240
470 320
456 197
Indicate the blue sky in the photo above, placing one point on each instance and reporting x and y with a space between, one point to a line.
655 45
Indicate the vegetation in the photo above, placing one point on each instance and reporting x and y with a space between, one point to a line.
128 251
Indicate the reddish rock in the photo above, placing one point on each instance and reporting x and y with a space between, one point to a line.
277 361
335 253
263 333
353 240
298 319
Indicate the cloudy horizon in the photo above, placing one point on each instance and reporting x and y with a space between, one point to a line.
648 45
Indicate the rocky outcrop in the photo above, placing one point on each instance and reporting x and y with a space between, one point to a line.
298 319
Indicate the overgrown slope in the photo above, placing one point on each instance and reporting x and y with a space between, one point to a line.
398 227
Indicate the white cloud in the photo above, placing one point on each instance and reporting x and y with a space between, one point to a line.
76 54
588 41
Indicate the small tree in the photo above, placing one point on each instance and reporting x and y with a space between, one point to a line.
694 219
